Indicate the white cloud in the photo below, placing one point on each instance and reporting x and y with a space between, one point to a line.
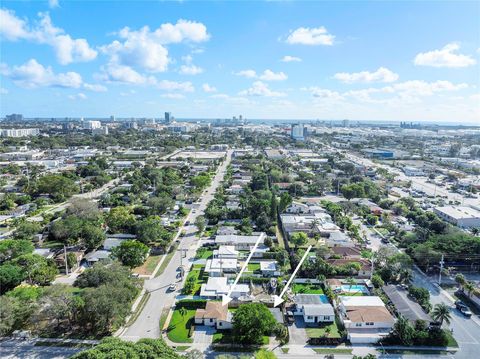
310 36
33 75
321 93
381 75
11 27
145 49
175 86
289 58
173 96
190 70
267 75
259 88
78 96
220 95
66 48
121 73
53 4
251 74
207 88
445 57
95 87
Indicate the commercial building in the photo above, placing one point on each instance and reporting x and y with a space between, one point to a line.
461 216
298 132
19 132
14 117
91 125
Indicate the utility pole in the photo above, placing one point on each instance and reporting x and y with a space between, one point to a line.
442 262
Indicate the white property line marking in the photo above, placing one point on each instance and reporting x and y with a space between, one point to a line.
226 298
278 299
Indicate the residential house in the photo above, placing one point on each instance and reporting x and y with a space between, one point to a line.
218 267
240 242
365 318
215 314
365 265
269 268
313 309
216 287
339 239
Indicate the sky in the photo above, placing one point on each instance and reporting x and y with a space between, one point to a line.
379 61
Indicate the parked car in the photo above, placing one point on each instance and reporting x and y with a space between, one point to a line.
463 308
172 287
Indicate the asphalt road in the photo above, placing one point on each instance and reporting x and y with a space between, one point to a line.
147 323
25 349
466 331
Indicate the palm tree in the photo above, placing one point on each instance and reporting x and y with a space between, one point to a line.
460 279
469 287
441 313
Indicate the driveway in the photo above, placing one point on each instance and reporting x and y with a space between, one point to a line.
298 334
203 335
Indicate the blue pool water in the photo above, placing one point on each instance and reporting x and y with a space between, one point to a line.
354 288
324 298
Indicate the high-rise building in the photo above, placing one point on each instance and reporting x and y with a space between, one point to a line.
298 132
346 123
131 125
19 132
112 118
91 125
168 116
14 117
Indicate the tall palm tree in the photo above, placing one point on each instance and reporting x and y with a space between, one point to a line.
441 313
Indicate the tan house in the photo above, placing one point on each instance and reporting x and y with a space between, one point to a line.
215 315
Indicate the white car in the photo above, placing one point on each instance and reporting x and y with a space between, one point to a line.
172 287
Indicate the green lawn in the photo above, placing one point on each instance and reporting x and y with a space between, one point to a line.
164 265
333 351
204 253
321 331
451 340
305 288
200 278
252 267
179 325
225 337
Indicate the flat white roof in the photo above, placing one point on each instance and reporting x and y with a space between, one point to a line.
366 301
459 212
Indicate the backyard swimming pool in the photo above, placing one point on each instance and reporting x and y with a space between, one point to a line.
324 298
357 288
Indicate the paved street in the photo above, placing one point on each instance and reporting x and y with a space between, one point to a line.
147 323
11 349
466 331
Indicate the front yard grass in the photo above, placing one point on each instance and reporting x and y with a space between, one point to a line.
306 288
204 253
149 266
322 331
180 325
225 337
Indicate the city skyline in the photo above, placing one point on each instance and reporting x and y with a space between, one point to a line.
262 60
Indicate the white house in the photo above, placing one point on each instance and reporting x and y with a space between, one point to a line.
217 267
365 318
240 242
216 287
460 216
215 314
313 309
226 252
269 268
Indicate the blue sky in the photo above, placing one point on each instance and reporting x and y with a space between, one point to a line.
413 61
